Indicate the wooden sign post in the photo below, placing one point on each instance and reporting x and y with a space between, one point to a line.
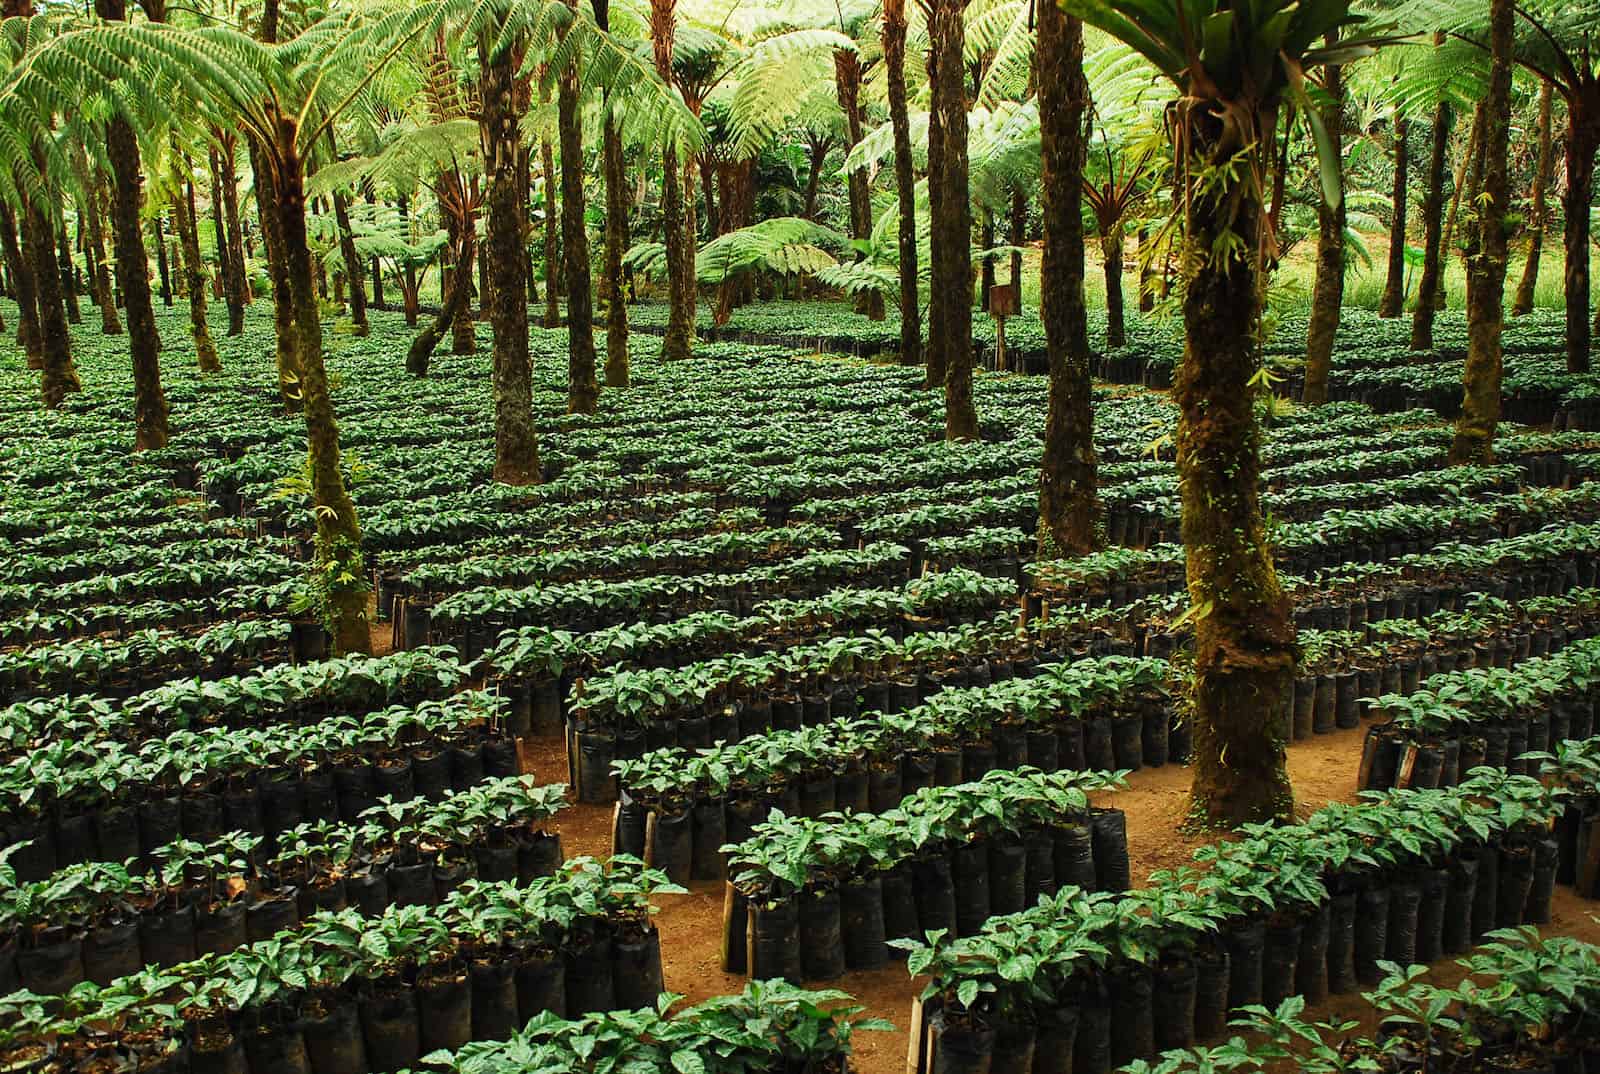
1002 304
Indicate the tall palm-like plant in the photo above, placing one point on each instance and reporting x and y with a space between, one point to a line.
1234 63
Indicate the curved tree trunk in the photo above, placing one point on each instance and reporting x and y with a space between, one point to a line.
1244 645
1328 293
26 292
1486 257
1067 504
552 239
583 390
427 340
905 179
105 296
353 272
952 223
1583 139
1393 302
1433 234
1538 209
194 270
516 444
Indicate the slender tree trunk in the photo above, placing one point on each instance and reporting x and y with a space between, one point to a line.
23 288
1111 253
408 282
375 270
352 259
905 179
1327 297
616 180
1538 209
847 84
516 444
552 237
1393 302
105 296
952 226
287 340
427 340
69 283
158 235
463 333
1067 505
189 239
230 244
338 530
1147 272
819 156
707 181
60 375
1018 236
938 347
133 269
1244 644
985 270
1583 139
583 390
1433 240
678 340
1469 175
1486 256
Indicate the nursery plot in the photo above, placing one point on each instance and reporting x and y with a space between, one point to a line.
757 604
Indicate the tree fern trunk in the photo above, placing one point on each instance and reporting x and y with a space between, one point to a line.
1538 209
25 291
149 400
516 445
1018 237
1244 644
338 532
1111 253
1067 502
59 374
952 223
282 303
69 282
194 269
905 178
617 370
938 348
1433 234
847 85
352 259
1394 285
1486 256
163 268
1327 295
236 281
1583 139
552 237
583 390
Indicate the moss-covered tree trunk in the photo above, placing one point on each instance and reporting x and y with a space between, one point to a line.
23 289
616 181
463 333
149 401
338 532
205 349
515 442
1538 204
1327 296
1393 302
1583 140
951 248
1244 642
286 340
158 239
1486 256
60 376
583 389
1432 279
422 347
1067 504
905 179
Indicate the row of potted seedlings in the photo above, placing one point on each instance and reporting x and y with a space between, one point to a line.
1526 1003
345 993
98 921
282 694
1084 982
809 898
535 668
679 806
103 801
1459 720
